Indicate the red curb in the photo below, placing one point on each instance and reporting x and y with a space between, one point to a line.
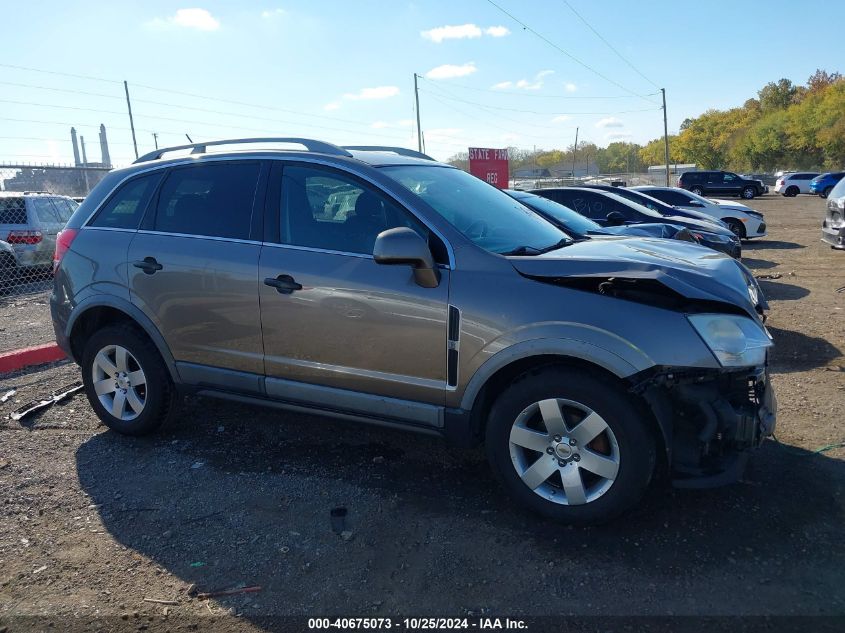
36 355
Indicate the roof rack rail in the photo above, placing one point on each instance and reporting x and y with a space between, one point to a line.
199 148
402 151
28 192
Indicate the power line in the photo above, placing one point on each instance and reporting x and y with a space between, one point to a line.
531 95
61 74
557 112
567 53
609 45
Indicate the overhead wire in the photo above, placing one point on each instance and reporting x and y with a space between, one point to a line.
609 45
567 53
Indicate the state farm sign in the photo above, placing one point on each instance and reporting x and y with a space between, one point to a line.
490 165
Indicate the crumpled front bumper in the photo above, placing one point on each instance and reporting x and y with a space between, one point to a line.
711 421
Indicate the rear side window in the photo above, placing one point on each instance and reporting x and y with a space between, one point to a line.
12 211
125 208
44 211
64 208
208 200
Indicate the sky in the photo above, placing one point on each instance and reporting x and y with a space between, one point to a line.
343 71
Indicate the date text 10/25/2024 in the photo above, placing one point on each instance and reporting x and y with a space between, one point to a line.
413 624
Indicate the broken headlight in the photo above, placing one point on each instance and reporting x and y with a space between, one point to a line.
736 341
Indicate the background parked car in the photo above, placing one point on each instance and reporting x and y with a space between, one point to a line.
8 266
790 185
725 183
833 226
742 220
29 222
666 210
609 209
582 227
823 184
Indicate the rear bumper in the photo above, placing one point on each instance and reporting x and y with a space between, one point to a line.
712 421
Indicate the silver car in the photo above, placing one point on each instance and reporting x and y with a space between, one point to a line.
30 222
377 285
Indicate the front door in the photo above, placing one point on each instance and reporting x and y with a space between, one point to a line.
340 330
193 269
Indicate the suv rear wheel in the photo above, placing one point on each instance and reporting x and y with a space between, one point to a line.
791 191
126 381
748 192
697 190
569 446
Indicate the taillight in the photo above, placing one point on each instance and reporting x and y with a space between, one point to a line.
24 237
63 242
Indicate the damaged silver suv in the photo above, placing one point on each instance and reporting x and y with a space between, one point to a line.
376 285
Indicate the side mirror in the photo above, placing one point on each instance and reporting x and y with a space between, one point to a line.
405 246
614 218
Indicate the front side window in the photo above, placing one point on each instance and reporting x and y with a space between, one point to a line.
487 216
329 210
729 178
213 200
125 208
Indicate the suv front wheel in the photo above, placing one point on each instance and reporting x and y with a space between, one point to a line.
749 192
126 381
697 190
570 446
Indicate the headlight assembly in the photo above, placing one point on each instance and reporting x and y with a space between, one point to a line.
736 341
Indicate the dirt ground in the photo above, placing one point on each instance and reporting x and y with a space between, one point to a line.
91 523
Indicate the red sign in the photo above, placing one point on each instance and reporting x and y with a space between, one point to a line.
491 165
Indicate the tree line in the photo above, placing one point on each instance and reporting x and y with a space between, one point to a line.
786 126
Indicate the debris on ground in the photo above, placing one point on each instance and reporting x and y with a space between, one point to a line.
769 276
228 592
58 395
8 395
172 603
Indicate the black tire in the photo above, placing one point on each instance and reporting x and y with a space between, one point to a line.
635 443
791 191
826 192
159 402
699 191
736 227
9 273
748 193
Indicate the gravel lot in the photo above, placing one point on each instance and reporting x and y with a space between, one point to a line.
92 523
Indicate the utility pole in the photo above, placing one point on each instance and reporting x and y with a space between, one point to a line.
417 99
574 150
665 136
85 165
155 139
131 121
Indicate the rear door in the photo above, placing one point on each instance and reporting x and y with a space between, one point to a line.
45 218
193 270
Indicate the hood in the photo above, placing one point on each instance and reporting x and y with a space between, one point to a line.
692 271
655 229
731 204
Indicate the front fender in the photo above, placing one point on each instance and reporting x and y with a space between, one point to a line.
599 347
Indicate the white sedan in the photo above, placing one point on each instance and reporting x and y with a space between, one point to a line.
744 221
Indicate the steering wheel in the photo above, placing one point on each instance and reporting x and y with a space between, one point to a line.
478 225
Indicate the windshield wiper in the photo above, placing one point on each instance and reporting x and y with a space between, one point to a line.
559 244
523 250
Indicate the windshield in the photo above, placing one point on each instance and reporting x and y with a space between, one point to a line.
572 220
487 216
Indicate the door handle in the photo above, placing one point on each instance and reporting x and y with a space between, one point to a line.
284 284
149 265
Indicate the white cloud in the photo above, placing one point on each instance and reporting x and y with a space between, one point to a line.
618 136
497 31
440 33
381 92
462 32
334 105
610 121
450 71
272 13
561 118
525 84
198 19
570 87
509 138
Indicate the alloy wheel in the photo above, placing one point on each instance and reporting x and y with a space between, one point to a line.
564 451
119 382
